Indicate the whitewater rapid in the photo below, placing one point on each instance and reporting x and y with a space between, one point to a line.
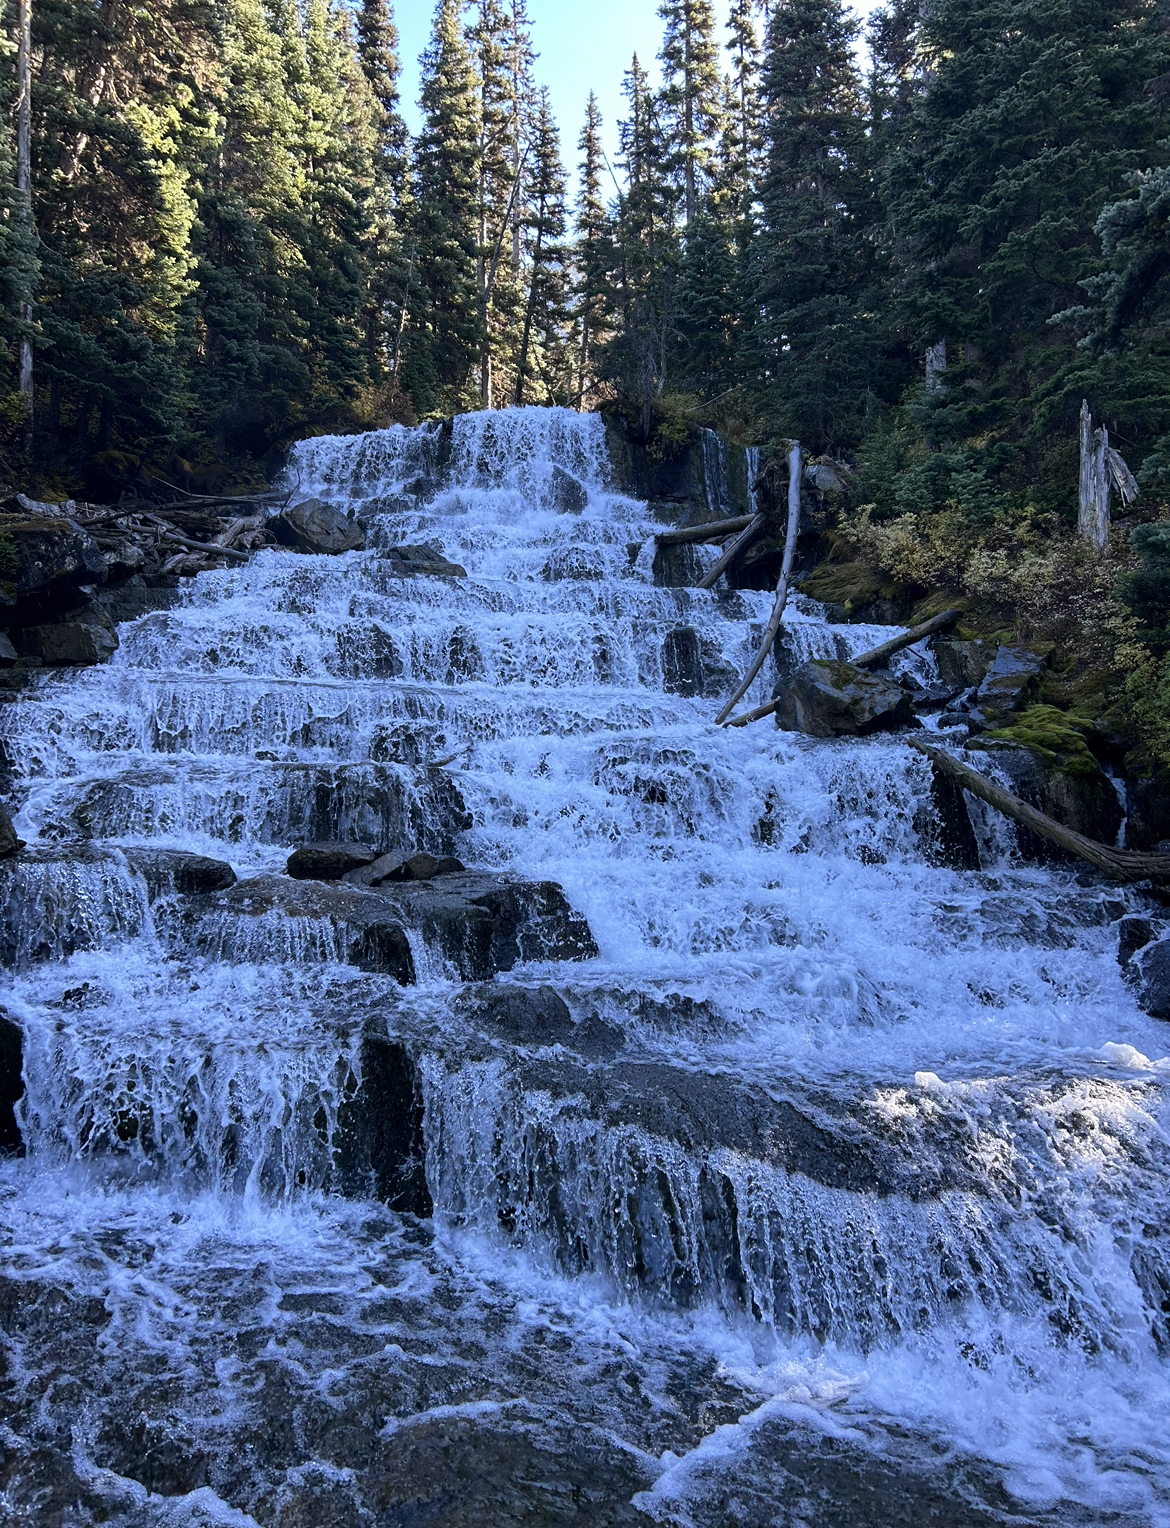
876 1165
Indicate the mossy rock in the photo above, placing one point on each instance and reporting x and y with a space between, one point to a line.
849 584
1058 737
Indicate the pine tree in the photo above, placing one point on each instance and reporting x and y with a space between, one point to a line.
692 93
742 134
378 52
446 334
544 367
814 259
594 306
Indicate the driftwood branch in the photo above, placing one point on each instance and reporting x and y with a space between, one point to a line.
879 655
795 462
753 529
1121 864
714 530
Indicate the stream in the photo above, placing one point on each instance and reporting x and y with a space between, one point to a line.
833 1192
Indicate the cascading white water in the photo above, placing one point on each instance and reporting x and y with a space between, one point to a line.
880 1134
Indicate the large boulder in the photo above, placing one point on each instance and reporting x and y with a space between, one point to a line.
47 555
567 496
81 636
828 698
1011 683
315 526
1083 799
1151 968
169 872
328 861
962 665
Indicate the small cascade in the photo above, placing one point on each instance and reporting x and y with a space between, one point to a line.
712 1111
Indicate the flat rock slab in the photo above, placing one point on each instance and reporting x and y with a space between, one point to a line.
828 698
175 872
1011 682
420 561
329 861
475 923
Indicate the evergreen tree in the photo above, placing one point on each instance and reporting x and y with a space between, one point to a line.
692 92
594 309
378 52
18 271
544 366
446 333
742 135
816 333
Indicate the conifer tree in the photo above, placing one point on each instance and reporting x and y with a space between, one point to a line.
692 92
543 367
446 335
742 134
378 51
816 341
594 307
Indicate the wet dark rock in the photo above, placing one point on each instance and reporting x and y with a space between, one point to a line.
1152 968
539 1017
9 843
366 651
827 698
173 870
384 868
419 561
81 636
11 1083
1148 806
379 1148
315 526
580 563
8 653
1010 684
424 867
50 555
1085 802
693 667
568 496
366 925
677 567
483 923
962 664
1133 934
328 861
945 828
136 597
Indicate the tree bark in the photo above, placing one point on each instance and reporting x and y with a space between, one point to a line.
713 530
750 533
1121 864
795 473
24 190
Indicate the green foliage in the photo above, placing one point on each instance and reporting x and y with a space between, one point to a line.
1057 736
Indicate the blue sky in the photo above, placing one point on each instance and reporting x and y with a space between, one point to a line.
583 45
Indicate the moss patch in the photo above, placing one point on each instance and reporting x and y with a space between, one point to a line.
1057 736
848 583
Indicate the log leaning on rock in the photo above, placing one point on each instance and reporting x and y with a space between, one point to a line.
795 464
753 529
714 530
1121 864
872 659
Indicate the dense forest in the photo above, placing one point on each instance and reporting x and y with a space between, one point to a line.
917 257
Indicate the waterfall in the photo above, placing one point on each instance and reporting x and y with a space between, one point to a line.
832 1157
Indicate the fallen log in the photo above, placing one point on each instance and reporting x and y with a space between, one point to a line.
1121 864
795 460
753 529
714 530
206 548
879 655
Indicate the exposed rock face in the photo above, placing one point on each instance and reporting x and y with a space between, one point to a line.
170 871
569 497
379 1150
1085 802
537 1017
946 832
316 526
1152 968
691 666
50 555
962 665
11 1083
328 861
1010 683
425 867
384 868
81 636
581 563
677 567
827 698
413 561
9 843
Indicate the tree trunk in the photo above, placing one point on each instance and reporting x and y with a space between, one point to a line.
24 189
1093 512
795 472
753 529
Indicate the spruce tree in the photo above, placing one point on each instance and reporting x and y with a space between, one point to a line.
378 51
543 367
594 305
742 132
445 338
814 259
692 92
